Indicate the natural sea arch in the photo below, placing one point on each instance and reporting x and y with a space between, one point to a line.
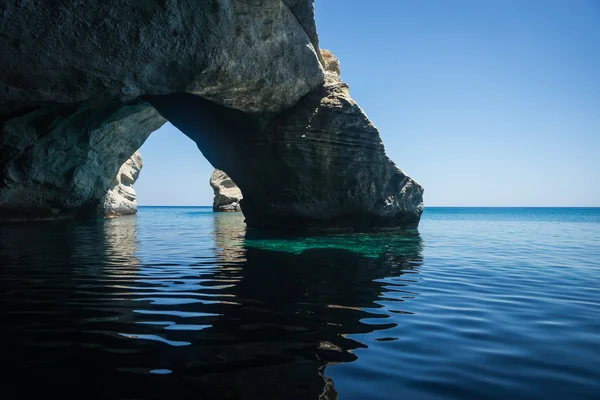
245 80
174 173
297 169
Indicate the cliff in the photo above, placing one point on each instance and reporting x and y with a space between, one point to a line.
81 88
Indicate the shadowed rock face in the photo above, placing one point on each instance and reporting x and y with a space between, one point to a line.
72 74
243 78
320 165
247 54
333 172
60 161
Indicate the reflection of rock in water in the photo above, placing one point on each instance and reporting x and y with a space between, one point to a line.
67 242
295 313
120 240
61 290
229 233
262 320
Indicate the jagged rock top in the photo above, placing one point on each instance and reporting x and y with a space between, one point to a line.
332 63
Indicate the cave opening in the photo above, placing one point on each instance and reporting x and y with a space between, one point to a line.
319 165
82 160
249 85
174 173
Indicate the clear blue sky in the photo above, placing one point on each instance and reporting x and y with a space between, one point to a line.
485 103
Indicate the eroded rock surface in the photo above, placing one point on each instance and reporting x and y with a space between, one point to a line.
243 78
227 194
60 161
319 165
121 198
335 156
253 55
72 74
334 172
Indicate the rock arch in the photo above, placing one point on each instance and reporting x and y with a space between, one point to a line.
83 87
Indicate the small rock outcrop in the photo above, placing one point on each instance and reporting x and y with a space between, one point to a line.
227 194
120 198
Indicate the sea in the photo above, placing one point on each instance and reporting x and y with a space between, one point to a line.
182 303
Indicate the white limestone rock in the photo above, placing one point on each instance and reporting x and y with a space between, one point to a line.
227 194
60 161
120 198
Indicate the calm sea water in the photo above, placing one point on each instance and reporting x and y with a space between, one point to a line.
184 303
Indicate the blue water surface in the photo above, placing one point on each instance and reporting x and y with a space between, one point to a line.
180 302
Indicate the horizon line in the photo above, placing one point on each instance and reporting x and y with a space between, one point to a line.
598 206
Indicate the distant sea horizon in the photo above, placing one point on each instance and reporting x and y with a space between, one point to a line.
425 206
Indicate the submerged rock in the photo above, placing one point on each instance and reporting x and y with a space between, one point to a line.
227 194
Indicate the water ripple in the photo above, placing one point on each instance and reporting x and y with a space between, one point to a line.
181 302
